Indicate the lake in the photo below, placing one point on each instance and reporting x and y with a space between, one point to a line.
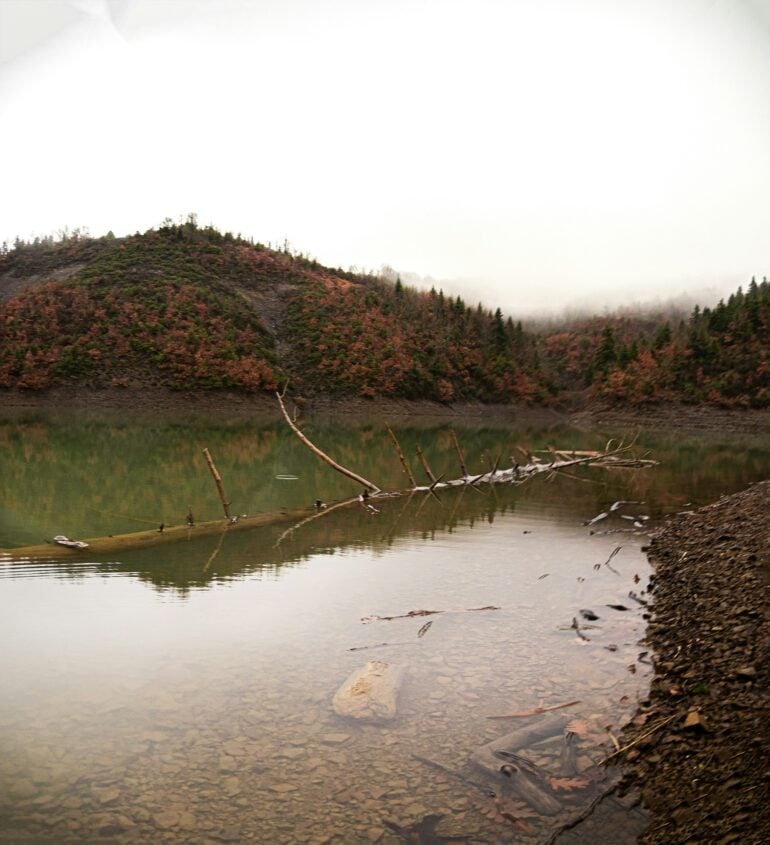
183 693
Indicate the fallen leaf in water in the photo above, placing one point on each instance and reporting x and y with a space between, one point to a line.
578 727
503 810
424 630
566 784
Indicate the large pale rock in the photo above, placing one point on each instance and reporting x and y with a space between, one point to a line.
370 693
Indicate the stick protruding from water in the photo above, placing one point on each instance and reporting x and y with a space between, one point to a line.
218 481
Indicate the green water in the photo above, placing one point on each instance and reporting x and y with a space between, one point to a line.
183 693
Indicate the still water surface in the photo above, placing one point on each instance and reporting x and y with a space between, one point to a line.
183 693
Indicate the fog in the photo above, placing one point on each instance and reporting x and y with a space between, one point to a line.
537 155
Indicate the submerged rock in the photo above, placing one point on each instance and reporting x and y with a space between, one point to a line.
370 693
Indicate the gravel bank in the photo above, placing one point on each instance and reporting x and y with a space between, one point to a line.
701 742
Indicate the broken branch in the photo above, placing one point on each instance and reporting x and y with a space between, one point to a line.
324 457
401 457
218 482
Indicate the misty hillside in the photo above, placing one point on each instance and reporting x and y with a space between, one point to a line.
186 307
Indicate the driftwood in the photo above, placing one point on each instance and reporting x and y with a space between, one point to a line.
499 759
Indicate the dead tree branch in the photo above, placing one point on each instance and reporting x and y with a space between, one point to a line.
324 457
401 457
218 482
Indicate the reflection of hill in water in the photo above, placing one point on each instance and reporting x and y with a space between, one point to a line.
265 551
96 478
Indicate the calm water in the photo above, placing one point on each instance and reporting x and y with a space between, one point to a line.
183 693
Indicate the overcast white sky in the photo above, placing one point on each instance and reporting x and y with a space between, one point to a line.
528 153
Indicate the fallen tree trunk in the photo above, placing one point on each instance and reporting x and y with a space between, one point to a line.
145 539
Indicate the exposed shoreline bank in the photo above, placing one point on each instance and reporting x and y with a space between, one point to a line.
226 404
700 741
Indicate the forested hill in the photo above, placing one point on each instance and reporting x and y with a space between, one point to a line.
188 307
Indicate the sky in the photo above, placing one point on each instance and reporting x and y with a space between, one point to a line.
536 155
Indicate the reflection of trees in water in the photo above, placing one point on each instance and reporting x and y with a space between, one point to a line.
93 478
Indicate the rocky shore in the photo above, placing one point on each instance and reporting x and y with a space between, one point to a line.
699 746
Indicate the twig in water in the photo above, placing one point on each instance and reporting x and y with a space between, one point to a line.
613 738
534 712
576 625
607 562
652 730
424 630
412 613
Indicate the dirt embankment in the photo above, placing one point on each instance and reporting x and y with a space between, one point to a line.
225 403
701 742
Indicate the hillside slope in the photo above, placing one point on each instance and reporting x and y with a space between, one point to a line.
186 307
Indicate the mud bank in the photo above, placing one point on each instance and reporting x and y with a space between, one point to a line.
700 744
221 404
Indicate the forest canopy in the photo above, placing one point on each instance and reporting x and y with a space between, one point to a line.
188 307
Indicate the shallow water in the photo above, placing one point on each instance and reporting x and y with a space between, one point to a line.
183 693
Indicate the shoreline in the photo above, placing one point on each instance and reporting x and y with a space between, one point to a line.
699 744
225 404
